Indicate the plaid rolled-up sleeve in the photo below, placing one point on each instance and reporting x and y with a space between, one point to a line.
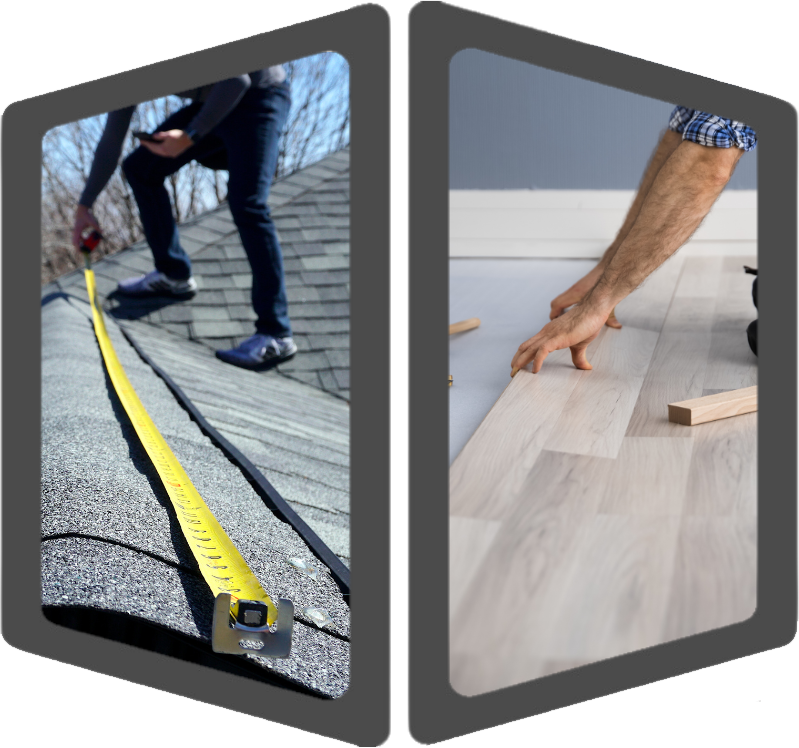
708 129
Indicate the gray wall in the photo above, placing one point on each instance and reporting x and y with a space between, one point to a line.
517 126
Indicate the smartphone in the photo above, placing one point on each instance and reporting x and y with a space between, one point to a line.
141 135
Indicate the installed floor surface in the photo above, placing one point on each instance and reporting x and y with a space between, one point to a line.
591 525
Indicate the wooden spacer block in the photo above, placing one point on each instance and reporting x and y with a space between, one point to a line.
467 324
714 407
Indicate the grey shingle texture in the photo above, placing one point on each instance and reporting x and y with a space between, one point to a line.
110 540
311 211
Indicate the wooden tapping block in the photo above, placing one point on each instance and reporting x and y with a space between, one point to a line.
467 324
714 407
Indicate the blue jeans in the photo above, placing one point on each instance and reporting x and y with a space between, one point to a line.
246 143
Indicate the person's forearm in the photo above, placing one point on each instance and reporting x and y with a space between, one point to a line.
680 197
667 145
107 154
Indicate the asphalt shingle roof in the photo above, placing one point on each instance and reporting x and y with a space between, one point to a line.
110 539
111 546
309 469
296 435
311 211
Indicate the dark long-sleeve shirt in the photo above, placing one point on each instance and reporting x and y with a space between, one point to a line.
218 99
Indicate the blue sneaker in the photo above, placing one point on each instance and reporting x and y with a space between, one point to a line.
157 284
259 352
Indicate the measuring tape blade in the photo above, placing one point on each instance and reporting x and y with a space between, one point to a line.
220 562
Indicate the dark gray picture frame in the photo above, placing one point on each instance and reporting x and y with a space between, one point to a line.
361 36
437 33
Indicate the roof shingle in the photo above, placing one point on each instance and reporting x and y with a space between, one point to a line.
118 551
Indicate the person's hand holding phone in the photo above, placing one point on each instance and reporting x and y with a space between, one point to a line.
168 144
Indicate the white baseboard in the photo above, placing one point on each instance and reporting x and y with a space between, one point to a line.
580 223
556 249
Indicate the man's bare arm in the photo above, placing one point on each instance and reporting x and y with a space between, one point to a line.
681 195
666 146
669 142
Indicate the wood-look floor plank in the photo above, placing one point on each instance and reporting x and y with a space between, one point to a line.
722 480
648 478
598 413
715 577
731 364
699 279
596 416
677 370
469 541
536 537
622 573
497 460
608 534
552 667
477 672
646 307
478 675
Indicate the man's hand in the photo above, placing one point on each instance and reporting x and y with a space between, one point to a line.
574 329
577 293
84 219
171 143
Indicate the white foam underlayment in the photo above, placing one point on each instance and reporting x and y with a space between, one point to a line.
511 297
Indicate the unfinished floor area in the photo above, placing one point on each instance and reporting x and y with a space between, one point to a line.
583 524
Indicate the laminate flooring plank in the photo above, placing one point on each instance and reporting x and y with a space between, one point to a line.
497 460
646 307
722 480
469 540
536 538
582 529
699 279
677 370
596 416
715 577
547 525
731 364
552 667
611 596
648 478
474 679
511 297
476 673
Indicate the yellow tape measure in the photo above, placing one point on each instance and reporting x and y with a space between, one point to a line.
220 562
